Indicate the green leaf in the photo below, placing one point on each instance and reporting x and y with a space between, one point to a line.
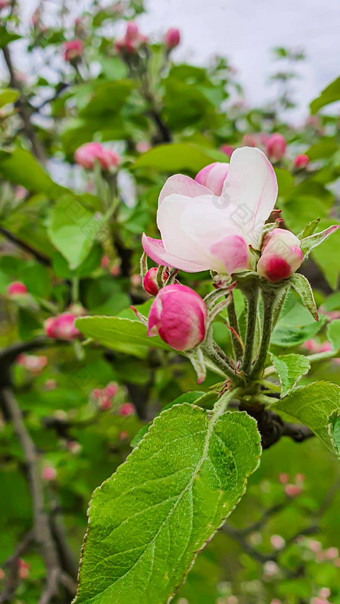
309 229
123 335
6 37
8 95
309 243
329 95
175 157
333 334
290 369
295 327
20 167
107 99
302 287
334 430
72 230
312 406
148 521
325 147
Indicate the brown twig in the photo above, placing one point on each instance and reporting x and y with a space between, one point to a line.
25 246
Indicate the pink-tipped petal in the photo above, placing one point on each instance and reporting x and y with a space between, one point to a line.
154 248
182 185
232 251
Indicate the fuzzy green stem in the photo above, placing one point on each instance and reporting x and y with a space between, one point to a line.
217 356
252 294
269 298
233 322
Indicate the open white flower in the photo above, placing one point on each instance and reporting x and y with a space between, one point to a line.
202 231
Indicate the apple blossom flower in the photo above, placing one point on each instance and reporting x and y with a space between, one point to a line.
331 553
270 568
213 177
17 288
172 38
73 50
281 255
23 568
5 4
104 396
275 146
32 363
49 473
301 161
324 592
150 281
292 490
86 155
143 146
126 409
277 541
315 347
61 327
249 140
136 280
202 231
50 384
74 447
179 316
314 546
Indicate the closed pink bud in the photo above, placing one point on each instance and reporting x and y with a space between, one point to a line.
249 140
111 389
143 146
62 327
179 316
49 473
277 541
275 146
73 49
5 4
17 289
32 363
105 403
150 281
213 177
126 409
292 490
281 255
89 153
301 161
284 478
227 149
23 569
172 38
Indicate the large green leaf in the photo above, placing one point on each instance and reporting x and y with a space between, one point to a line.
72 230
175 157
20 167
117 333
8 95
303 288
334 430
333 334
313 405
295 327
327 96
290 369
148 521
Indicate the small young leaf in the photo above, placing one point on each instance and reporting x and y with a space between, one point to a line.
308 243
303 288
150 519
290 369
312 405
309 229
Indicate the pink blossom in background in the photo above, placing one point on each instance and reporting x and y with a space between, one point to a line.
86 155
143 146
73 49
284 478
178 315
124 435
136 280
32 363
315 347
277 541
5 4
301 161
49 473
132 40
50 384
281 255
62 327
172 38
23 569
126 409
150 281
202 231
213 176
17 288
227 149
105 396
292 490
275 146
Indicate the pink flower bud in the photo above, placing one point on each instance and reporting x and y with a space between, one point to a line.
275 146
281 255
50 384
32 363
143 146
284 478
277 541
301 161
105 261
270 568
172 38
227 149
5 4
17 289
123 435
136 280
314 546
49 473
126 409
89 153
213 177
292 490
249 140
332 553
62 327
132 39
23 569
179 316
150 281
111 389
105 403
324 592
73 49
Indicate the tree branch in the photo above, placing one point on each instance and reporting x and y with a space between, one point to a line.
25 246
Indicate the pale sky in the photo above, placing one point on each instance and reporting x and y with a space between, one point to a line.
245 31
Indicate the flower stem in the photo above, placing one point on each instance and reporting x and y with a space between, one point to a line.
251 294
233 322
269 298
219 358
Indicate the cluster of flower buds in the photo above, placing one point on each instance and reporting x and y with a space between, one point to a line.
126 409
292 489
90 153
17 288
73 50
281 255
62 327
105 396
132 39
33 363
